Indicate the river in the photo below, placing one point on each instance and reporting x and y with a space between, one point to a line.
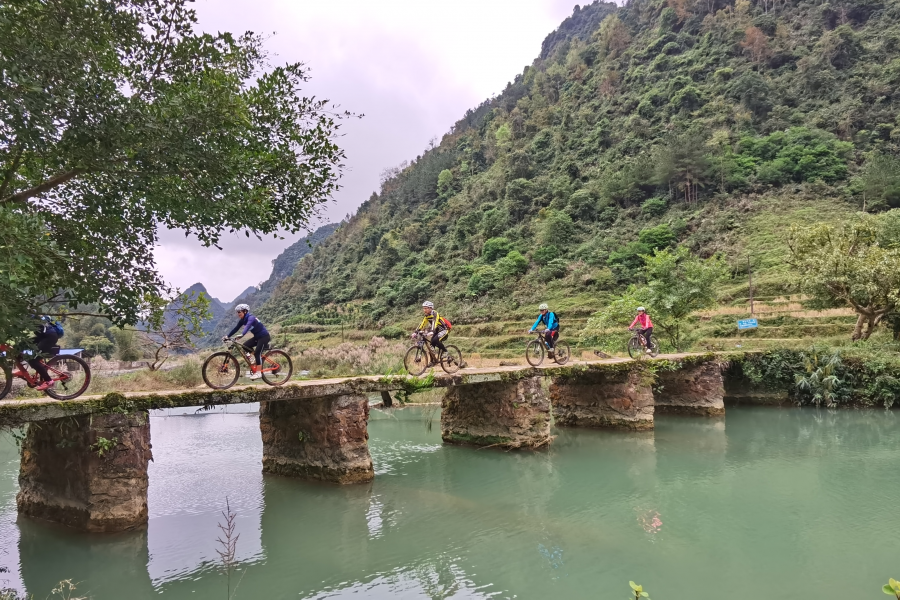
768 503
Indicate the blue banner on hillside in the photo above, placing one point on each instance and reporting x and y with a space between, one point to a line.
747 324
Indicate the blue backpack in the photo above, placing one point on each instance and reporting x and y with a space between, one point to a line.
57 326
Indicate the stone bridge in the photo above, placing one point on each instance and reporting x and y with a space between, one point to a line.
84 461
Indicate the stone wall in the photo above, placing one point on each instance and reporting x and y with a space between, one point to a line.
695 389
322 439
621 399
497 413
63 477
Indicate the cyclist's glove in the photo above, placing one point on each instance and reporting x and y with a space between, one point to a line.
224 338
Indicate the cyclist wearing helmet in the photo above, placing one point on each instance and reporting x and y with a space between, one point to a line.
260 337
433 323
551 326
645 325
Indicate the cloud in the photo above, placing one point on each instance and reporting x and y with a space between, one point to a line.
412 68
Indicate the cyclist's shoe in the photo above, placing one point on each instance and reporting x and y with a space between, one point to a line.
255 375
648 351
45 385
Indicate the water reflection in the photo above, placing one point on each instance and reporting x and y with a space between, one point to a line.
751 503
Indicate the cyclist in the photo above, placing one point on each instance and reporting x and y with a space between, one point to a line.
259 340
434 324
46 336
645 325
551 326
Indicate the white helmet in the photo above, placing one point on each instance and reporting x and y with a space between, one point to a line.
241 307
428 304
543 306
641 309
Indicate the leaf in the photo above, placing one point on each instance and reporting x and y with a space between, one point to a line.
887 589
635 586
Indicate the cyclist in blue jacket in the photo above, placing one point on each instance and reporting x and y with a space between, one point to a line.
259 340
551 326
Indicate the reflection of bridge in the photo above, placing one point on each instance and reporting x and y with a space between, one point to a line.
84 462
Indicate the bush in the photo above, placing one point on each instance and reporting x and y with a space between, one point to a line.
558 229
657 238
512 264
653 207
186 375
494 248
555 269
545 254
481 282
391 332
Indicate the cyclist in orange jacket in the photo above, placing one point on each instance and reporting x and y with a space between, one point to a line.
645 325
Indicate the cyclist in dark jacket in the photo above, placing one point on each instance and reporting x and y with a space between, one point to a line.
45 338
259 340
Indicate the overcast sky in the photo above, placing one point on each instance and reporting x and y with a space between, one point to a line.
412 67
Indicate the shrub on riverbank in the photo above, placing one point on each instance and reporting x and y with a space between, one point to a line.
861 374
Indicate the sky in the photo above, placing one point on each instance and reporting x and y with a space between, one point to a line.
411 67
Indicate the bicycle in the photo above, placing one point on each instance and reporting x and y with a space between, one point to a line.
535 350
222 370
71 375
637 345
420 356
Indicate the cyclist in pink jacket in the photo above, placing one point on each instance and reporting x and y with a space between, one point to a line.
645 325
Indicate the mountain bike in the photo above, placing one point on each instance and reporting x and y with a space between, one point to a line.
637 345
420 356
222 370
71 375
535 350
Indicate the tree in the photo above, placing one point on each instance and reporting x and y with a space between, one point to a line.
682 162
854 264
118 118
880 182
173 325
756 44
678 285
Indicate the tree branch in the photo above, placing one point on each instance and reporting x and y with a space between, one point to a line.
48 185
12 171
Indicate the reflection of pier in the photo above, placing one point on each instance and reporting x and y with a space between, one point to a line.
84 462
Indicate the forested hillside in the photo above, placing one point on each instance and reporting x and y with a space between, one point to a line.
708 124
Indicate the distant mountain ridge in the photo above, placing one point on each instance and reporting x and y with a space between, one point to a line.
222 312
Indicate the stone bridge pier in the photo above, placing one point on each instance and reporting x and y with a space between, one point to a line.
87 472
693 388
320 439
619 398
508 414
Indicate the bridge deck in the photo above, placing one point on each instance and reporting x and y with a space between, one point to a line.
17 412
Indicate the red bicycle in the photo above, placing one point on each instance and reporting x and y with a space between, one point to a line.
71 375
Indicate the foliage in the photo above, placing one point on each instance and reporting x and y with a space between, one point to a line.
638 591
892 588
679 285
879 182
104 445
391 332
119 118
820 380
854 264
694 115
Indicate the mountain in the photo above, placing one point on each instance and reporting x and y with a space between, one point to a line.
711 124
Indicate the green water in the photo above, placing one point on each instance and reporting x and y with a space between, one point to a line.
769 503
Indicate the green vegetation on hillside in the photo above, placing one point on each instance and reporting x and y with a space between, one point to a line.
708 125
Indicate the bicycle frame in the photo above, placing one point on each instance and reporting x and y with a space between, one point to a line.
423 342
21 369
243 351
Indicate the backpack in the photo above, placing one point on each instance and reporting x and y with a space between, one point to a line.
58 328
447 323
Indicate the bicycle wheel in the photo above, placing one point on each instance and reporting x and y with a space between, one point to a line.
72 376
654 347
277 367
5 382
451 360
562 353
221 371
415 361
534 353
635 350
